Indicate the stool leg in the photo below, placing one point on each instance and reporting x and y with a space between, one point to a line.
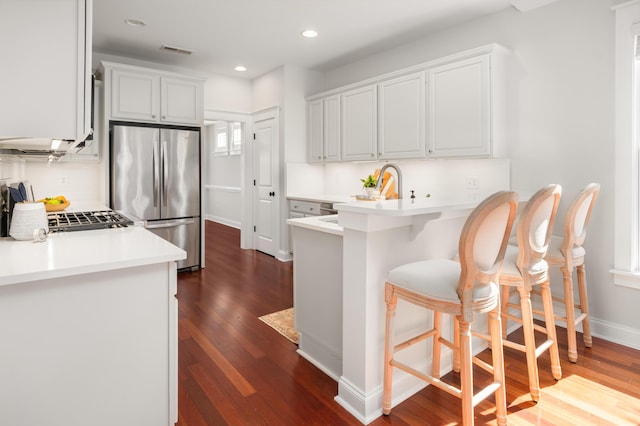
456 345
497 355
584 305
570 314
391 300
435 357
466 371
504 309
550 326
529 341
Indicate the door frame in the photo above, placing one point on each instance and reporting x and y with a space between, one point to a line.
246 173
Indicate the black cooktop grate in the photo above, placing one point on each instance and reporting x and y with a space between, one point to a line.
82 221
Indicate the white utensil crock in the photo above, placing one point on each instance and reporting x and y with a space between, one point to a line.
27 221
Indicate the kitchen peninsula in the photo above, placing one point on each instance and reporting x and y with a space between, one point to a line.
89 329
378 236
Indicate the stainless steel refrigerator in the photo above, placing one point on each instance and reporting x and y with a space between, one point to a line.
155 176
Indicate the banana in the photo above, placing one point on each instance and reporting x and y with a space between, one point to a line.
60 199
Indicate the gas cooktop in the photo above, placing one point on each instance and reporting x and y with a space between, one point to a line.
82 221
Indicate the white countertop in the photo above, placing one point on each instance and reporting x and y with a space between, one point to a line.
323 198
407 207
72 253
328 223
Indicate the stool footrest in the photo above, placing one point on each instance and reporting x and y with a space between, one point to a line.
413 340
431 380
543 347
486 392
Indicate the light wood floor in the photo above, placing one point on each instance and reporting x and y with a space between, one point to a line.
234 369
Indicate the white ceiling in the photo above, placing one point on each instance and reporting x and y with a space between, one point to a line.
265 34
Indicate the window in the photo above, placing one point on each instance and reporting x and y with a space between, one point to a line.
227 136
627 155
236 137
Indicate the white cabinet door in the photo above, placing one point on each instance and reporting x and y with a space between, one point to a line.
331 128
359 124
315 128
45 76
459 117
181 101
401 114
135 95
151 96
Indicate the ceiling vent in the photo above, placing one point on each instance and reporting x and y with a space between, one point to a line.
176 49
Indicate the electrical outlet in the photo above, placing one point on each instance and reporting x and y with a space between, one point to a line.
471 182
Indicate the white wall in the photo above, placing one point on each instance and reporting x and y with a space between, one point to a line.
561 118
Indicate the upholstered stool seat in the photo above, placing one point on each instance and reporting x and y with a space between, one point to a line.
442 282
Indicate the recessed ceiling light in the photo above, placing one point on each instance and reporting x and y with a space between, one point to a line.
135 23
309 33
240 68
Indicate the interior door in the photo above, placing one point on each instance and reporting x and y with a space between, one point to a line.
266 183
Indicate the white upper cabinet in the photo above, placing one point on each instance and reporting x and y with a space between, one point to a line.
135 95
401 117
359 124
323 127
453 107
181 100
331 128
314 130
460 109
147 95
45 76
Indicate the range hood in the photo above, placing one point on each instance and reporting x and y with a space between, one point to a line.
45 148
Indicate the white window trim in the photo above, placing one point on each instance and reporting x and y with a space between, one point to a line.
626 271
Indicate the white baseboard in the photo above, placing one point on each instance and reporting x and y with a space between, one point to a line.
610 331
224 221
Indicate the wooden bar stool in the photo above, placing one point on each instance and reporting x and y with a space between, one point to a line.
460 289
525 267
567 253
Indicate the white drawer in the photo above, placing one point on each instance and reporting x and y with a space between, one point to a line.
304 207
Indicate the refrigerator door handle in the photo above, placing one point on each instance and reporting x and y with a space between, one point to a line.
164 171
156 174
170 223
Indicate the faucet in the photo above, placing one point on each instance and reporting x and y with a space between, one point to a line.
398 174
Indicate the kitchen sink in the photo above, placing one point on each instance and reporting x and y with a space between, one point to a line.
330 218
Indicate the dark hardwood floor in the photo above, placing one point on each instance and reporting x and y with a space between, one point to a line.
234 369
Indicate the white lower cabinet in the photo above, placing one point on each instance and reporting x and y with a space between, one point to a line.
317 298
96 348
